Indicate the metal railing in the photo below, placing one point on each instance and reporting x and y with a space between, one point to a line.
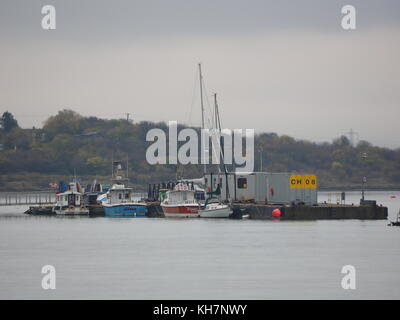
27 198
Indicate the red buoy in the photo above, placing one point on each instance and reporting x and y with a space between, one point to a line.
276 213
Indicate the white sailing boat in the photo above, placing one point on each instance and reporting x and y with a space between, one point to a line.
213 207
215 210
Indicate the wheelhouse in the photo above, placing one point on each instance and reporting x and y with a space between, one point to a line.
120 195
181 197
69 199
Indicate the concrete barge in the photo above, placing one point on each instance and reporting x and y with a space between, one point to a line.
297 212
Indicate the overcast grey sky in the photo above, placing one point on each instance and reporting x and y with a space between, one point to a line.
278 66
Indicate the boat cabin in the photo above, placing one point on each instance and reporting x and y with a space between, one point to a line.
181 197
69 198
120 194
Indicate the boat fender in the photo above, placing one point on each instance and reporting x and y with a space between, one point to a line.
276 213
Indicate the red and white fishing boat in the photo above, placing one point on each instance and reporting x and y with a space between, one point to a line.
180 202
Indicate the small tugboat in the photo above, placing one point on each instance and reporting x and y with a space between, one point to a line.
180 202
118 201
70 202
397 222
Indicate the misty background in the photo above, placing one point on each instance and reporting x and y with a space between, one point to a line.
278 66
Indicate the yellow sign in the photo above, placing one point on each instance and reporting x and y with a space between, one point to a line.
303 182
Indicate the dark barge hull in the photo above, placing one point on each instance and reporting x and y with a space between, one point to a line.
96 210
40 210
320 212
299 212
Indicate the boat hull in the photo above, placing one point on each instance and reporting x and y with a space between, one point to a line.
131 210
71 211
40 210
96 210
216 213
180 211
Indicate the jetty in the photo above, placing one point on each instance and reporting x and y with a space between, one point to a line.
27 198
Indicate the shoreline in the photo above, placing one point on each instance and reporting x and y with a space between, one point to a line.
326 189
142 190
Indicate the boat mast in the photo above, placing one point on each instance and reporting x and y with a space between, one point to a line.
217 131
218 124
202 114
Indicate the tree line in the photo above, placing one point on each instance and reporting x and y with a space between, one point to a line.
69 142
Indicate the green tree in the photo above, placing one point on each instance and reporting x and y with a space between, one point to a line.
8 121
65 122
17 138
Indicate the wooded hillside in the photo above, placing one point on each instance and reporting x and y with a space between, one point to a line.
32 158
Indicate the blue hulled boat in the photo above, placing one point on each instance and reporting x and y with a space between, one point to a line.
119 203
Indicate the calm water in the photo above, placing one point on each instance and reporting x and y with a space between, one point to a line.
142 258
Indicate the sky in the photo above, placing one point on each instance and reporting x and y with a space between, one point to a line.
277 66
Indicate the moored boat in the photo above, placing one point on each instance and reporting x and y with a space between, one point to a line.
92 191
119 203
215 210
70 202
397 222
181 203
40 210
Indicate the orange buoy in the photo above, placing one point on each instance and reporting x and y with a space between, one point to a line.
276 213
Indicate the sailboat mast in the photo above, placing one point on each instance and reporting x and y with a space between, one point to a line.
217 130
215 111
218 125
202 112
